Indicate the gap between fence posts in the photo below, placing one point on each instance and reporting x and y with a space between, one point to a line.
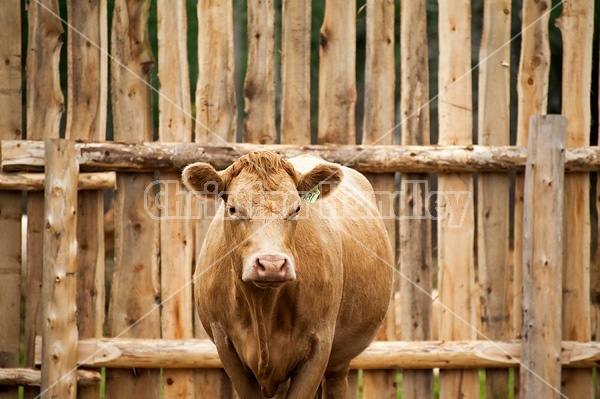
543 258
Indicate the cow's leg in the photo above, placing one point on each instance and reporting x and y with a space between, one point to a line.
335 382
246 386
305 381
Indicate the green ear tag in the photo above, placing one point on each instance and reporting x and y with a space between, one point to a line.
311 196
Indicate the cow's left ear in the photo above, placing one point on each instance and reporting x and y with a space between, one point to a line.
202 179
323 176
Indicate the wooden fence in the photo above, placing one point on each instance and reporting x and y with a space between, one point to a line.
511 284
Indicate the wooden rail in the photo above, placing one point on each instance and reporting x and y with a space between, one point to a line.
35 181
33 377
201 353
21 155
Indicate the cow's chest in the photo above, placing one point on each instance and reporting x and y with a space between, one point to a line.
270 348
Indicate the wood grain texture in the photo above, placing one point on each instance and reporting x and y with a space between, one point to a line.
576 24
11 79
543 258
24 155
216 108
87 68
337 69
456 235
59 277
216 123
44 105
35 181
416 261
494 276
134 297
33 377
259 85
176 243
10 202
532 90
378 127
295 71
410 355
337 88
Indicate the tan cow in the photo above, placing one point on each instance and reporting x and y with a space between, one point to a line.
290 291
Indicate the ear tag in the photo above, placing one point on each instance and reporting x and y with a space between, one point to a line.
312 195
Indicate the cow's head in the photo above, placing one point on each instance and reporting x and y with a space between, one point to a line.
262 194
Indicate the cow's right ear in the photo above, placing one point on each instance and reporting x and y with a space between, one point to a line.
203 180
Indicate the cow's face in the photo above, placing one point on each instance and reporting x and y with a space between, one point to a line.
262 206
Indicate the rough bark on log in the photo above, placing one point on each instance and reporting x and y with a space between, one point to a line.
202 353
22 156
33 377
35 181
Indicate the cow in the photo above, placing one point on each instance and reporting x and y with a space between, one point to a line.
295 274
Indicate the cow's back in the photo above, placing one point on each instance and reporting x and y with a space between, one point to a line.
367 259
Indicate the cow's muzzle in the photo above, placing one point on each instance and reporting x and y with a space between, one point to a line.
269 270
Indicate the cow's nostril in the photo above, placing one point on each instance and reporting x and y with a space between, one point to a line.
271 265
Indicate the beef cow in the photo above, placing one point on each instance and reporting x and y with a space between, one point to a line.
290 290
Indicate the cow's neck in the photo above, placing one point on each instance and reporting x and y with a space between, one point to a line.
263 307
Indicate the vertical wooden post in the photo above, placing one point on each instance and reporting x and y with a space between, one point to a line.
337 88
176 243
216 109
216 122
493 188
10 202
59 283
455 201
577 28
378 128
44 109
543 258
415 230
532 90
259 86
295 72
337 70
135 295
86 120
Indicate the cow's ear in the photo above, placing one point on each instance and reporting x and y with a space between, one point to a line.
324 176
203 180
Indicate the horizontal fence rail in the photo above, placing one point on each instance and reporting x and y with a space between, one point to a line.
35 181
19 156
202 353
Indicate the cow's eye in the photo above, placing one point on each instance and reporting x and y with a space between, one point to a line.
293 215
